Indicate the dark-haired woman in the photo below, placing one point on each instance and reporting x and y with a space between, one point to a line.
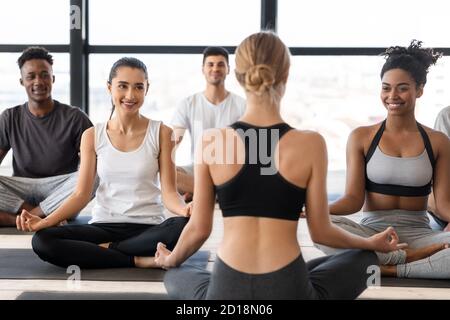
391 167
128 220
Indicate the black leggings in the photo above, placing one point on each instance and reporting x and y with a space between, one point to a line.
79 244
341 276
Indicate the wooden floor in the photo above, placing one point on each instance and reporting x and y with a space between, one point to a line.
10 289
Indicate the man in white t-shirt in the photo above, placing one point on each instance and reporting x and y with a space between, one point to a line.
442 124
213 108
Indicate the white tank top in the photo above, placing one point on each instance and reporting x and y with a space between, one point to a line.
128 190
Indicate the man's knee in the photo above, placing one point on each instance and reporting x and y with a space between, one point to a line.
338 219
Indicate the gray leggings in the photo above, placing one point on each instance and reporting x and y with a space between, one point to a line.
341 276
48 193
412 227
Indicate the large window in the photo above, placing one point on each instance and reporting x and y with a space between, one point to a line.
29 21
356 23
335 94
331 94
173 22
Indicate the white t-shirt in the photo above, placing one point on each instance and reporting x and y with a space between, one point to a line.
442 122
128 190
196 114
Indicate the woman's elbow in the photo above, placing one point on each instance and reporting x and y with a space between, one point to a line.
321 232
82 197
202 232
317 236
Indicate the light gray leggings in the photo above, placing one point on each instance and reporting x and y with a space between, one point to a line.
412 227
48 193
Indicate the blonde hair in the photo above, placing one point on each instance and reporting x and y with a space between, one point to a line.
262 64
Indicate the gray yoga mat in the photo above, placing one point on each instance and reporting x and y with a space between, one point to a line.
12 231
420 283
25 264
62 295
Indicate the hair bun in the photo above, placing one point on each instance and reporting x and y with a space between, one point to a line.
259 78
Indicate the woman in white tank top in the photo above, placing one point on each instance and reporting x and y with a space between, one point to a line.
127 152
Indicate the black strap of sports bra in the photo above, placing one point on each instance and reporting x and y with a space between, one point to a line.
282 127
428 146
243 127
375 141
426 141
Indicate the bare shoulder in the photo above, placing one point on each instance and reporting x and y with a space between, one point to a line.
438 139
89 134
304 142
434 134
362 136
165 130
307 136
365 132
88 138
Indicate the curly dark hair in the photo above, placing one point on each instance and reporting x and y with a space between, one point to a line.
413 59
34 53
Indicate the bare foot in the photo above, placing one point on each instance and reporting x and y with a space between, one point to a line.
421 253
105 245
388 271
145 262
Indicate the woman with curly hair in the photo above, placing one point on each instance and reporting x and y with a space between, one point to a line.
391 168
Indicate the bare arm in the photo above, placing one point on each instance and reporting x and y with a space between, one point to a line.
199 226
3 153
172 200
441 182
321 229
353 199
78 199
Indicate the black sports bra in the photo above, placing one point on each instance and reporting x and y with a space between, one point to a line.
258 189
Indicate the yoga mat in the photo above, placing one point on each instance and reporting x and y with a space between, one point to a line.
63 295
12 231
25 264
420 283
